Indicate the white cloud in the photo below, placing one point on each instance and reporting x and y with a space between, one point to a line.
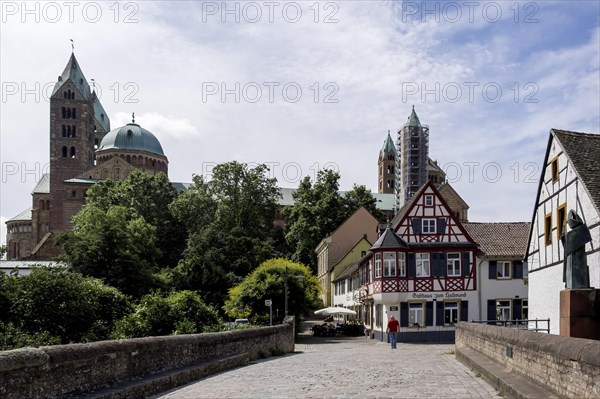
161 66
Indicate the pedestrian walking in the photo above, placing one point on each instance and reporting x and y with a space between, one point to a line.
392 331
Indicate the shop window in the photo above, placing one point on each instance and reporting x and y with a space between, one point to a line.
453 264
423 267
450 313
503 310
416 316
525 309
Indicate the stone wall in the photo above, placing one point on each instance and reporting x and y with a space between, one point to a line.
570 367
69 370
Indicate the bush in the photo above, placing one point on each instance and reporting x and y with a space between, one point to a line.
181 312
55 302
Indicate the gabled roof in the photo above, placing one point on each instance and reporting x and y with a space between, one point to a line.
42 186
447 188
350 270
583 150
389 240
500 239
406 207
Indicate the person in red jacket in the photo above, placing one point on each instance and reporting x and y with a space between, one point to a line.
392 331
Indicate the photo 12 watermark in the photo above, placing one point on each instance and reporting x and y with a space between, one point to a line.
269 92
491 172
23 172
269 11
454 92
469 11
70 11
118 92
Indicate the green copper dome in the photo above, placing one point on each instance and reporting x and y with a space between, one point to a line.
131 137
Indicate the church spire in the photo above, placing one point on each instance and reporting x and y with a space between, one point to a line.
413 119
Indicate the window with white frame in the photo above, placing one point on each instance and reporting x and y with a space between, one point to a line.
415 315
429 226
450 313
429 200
423 269
502 310
401 264
377 265
453 264
503 270
389 264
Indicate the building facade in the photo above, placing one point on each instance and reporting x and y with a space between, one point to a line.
570 180
83 151
332 249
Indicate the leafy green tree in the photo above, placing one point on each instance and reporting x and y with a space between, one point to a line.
361 196
181 312
229 220
12 337
114 245
148 197
247 299
54 303
318 210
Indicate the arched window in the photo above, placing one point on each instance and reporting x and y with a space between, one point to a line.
73 193
64 151
64 112
41 205
72 95
64 131
68 113
74 113
73 131
48 204
65 94
72 152
128 159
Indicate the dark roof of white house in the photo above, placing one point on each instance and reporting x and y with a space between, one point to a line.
500 239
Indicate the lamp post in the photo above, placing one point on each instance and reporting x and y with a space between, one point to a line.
286 292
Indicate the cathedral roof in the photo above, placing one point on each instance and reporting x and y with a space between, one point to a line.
100 113
74 74
42 186
131 137
413 119
388 146
23 216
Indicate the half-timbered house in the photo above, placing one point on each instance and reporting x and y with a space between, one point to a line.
422 271
570 180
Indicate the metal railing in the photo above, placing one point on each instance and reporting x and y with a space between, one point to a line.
530 325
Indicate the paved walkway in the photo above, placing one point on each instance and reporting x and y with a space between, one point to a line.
346 368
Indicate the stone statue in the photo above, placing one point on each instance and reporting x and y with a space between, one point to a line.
576 271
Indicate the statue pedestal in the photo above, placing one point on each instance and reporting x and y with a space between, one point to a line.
580 313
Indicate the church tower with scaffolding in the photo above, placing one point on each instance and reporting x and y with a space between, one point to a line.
412 159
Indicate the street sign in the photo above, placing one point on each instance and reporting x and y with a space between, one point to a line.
268 302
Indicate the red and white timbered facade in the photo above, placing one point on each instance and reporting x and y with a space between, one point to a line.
422 270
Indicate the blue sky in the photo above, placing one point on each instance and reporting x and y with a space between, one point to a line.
489 84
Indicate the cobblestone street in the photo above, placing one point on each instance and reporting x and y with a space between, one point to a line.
346 368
